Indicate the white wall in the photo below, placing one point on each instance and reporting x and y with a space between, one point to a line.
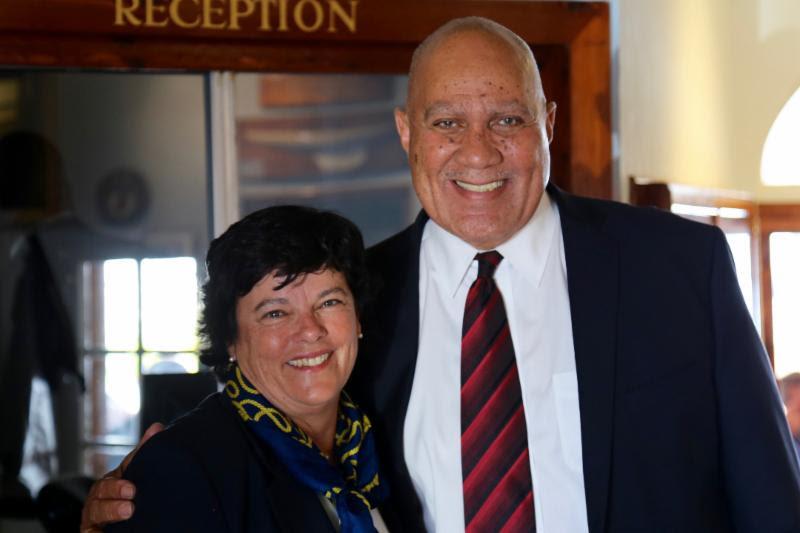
699 85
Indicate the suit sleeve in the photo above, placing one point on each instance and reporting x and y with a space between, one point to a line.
759 463
173 492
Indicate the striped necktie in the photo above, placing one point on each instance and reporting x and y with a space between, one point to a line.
498 491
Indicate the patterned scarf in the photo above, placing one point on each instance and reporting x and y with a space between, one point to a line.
353 486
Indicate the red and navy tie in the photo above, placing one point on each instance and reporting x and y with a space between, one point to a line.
498 491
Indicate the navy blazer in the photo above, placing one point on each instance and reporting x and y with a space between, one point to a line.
208 473
682 428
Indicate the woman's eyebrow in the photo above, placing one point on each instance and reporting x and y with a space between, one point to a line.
332 290
270 301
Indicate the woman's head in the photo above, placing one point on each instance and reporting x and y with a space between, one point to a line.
284 291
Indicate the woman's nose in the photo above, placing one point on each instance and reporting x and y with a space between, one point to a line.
311 327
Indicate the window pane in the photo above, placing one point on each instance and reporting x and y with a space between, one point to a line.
784 253
121 304
113 399
740 249
169 304
177 363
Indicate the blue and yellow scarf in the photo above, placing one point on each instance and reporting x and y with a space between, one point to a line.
354 487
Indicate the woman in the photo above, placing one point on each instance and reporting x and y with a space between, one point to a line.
282 448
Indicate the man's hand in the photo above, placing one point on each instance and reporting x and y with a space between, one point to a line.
110 497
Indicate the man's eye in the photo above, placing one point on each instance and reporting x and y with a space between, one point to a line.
332 302
509 121
275 313
444 124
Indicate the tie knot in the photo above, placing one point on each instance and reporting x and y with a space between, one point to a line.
487 263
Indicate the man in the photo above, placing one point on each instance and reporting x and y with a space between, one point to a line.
643 400
790 391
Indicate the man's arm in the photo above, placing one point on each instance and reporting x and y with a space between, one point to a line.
759 464
110 498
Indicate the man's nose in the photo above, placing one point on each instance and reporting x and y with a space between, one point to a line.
478 149
311 327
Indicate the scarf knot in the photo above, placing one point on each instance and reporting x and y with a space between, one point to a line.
353 484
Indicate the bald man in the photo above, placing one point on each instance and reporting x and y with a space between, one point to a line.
628 377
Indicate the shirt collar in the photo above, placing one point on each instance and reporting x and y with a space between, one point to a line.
525 253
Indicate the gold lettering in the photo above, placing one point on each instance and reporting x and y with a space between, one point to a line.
208 11
174 14
298 15
236 14
338 10
283 10
151 9
265 21
126 12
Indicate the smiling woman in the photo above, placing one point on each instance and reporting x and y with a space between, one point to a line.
281 320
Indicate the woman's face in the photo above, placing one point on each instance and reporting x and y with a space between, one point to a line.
297 345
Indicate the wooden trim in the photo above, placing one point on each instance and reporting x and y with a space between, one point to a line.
780 217
47 33
766 297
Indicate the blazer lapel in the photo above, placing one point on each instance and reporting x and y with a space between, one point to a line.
592 259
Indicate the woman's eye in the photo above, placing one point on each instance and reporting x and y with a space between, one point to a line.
332 302
275 313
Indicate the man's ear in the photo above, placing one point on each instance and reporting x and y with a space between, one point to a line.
550 122
401 123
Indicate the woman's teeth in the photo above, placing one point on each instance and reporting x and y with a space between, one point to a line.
486 187
310 361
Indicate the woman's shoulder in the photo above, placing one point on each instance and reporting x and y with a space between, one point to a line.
198 436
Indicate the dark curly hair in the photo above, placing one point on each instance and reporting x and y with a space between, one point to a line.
288 240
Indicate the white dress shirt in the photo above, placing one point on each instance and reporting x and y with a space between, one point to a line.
533 281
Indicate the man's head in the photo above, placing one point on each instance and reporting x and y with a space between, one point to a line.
790 390
477 130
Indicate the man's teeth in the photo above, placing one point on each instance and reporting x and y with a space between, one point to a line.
486 187
310 361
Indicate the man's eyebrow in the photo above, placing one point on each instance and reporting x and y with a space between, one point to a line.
515 105
439 107
270 301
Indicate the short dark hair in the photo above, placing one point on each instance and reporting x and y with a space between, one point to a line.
287 240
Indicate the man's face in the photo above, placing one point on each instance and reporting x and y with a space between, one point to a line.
476 131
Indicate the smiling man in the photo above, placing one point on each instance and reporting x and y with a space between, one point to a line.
539 361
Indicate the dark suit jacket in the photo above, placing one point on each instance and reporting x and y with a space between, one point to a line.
682 428
208 473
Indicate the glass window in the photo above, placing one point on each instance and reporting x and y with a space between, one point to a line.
740 246
150 310
784 254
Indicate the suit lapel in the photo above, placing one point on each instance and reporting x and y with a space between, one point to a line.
386 372
592 259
